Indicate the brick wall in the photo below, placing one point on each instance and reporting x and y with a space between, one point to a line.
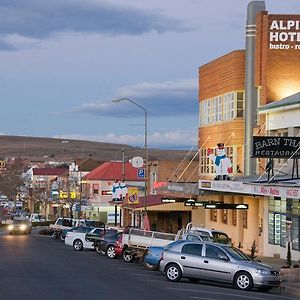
222 75
277 71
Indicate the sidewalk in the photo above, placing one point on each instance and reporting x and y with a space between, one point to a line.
290 279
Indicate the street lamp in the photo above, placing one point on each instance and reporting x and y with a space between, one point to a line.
145 145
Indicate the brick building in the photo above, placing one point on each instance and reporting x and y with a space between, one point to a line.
232 89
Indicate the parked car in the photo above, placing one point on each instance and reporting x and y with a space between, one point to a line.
153 255
217 262
106 245
95 236
216 235
78 239
34 217
20 225
68 223
84 229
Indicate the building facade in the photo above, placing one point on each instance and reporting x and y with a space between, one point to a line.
232 91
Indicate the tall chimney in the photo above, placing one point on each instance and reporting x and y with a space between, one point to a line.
254 7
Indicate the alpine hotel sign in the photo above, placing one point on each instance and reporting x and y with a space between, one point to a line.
276 147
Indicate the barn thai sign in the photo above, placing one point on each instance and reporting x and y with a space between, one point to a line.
276 147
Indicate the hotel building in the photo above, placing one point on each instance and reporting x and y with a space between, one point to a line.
246 93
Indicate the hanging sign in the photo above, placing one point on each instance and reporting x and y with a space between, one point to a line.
276 147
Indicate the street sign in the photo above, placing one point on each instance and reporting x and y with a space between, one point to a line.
137 162
141 173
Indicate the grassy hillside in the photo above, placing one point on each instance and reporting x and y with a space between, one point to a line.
36 148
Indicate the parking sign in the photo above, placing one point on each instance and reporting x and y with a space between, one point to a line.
141 173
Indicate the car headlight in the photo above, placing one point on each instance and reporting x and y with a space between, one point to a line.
23 227
262 271
10 227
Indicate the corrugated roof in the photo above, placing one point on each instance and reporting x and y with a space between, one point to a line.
112 171
288 101
49 171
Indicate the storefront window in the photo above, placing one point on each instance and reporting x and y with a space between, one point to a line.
281 213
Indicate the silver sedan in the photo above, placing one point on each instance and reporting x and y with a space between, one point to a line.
217 262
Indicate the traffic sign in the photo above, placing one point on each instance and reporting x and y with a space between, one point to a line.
141 173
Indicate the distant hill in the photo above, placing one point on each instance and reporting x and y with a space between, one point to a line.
40 148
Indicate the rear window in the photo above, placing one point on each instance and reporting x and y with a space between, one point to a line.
220 237
194 249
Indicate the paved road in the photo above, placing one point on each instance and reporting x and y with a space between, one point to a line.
36 267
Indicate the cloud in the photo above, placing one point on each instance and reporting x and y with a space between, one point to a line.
170 98
37 19
171 139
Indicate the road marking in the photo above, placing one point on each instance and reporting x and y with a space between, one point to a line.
227 294
202 298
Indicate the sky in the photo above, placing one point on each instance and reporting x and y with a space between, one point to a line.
62 62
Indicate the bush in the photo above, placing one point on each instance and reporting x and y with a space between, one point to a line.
253 250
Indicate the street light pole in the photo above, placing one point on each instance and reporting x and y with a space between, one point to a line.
145 143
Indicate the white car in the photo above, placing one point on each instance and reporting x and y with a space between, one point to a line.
78 240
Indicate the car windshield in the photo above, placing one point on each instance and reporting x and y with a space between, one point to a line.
20 222
237 254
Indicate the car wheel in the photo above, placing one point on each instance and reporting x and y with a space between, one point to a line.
78 245
111 252
173 272
149 266
61 238
54 236
99 250
127 256
194 280
243 281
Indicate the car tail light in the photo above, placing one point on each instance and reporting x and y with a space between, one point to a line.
162 256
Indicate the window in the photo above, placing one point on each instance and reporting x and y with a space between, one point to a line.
283 222
224 216
228 112
245 219
221 108
240 104
194 249
215 252
191 237
234 217
214 215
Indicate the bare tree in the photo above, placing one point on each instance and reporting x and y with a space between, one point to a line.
11 179
41 196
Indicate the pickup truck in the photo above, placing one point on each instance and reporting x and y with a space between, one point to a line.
61 224
137 241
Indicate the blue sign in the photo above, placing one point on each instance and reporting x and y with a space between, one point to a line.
141 173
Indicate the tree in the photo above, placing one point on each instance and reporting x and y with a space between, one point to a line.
11 179
40 195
